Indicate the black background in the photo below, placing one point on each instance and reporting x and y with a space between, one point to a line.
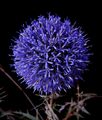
14 14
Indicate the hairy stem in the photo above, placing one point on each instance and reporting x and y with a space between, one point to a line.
78 98
49 108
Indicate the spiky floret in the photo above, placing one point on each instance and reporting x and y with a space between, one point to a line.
50 54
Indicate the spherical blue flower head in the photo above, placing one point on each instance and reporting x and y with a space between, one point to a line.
50 54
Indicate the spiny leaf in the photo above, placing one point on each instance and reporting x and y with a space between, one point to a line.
78 115
6 113
27 115
83 109
2 94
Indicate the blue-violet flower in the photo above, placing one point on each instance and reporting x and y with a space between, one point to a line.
50 54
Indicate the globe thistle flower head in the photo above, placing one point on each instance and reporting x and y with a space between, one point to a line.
50 54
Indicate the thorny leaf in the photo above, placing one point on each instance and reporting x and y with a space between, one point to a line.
2 94
6 113
75 106
83 109
27 115
78 115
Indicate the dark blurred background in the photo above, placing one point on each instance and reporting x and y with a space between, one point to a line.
13 14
